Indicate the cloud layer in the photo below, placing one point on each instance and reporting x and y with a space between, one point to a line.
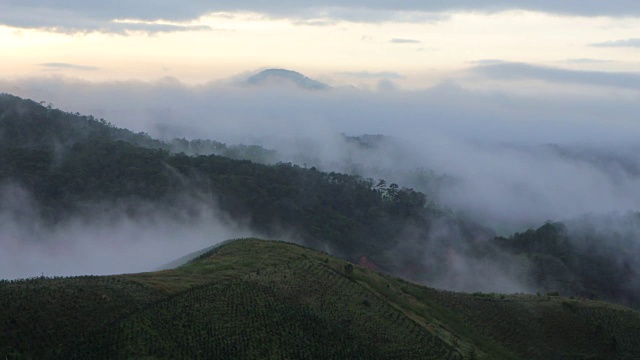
507 70
633 43
492 143
78 16
104 239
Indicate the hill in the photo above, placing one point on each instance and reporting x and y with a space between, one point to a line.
279 76
263 299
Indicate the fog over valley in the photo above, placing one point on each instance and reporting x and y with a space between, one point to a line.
107 238
515 160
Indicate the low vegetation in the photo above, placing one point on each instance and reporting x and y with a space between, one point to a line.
264 299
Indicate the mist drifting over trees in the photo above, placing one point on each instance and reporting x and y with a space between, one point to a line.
424 202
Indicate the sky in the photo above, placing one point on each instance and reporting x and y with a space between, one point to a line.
415 44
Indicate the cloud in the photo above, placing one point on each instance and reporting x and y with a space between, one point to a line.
368 14
372 75
79 16
105 239
515 71
587 61
386 85
634 43
486 62
124 27
58 65
314 23
404 41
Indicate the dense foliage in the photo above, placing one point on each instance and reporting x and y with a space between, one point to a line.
578 258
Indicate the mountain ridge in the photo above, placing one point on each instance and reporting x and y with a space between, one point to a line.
277 76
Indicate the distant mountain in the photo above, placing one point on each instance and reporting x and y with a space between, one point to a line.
255 299
286 76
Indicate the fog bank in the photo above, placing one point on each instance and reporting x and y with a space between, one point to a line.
105 239
491 144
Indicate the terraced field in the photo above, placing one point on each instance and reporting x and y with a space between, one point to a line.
255 299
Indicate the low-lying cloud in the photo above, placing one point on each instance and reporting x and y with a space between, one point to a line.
105 238
507 159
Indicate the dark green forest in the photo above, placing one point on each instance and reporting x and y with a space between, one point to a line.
69 162
582 262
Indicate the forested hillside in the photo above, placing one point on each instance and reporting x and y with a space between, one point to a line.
583 258
68 162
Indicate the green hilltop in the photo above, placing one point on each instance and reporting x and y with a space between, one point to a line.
256 299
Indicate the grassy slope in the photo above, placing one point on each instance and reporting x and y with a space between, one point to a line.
261 299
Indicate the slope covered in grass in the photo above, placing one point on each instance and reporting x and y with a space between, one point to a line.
263 299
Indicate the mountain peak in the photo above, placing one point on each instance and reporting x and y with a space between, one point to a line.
286 76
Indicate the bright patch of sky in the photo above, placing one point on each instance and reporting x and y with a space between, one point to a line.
420 48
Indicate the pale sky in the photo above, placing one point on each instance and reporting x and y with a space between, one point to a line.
415 44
